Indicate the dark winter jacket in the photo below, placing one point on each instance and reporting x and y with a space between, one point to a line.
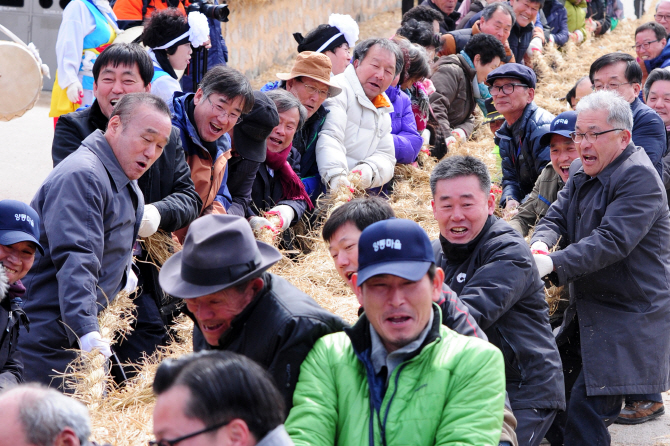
557 21
277 330
267 192
597 10
11 317
241 177
649 133
666 165
448 22
614 231
523 157
90 213
545 191
454 100
496 277
454 42
406 138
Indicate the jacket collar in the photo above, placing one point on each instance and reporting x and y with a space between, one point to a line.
458 253
361 340
97 143
96 118
351 78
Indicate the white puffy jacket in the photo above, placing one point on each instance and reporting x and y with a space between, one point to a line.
355 132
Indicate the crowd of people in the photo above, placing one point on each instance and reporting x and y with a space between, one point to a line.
454 343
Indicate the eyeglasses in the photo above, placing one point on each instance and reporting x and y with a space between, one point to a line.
660 17
186 437
323 94
643 46
590 136
223 113
507 88
610 87
344 46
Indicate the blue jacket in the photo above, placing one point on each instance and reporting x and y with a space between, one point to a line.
649 133
557 20
660 61
406 138
190 140
523 158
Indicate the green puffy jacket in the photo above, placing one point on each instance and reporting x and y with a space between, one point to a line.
451 392
576 15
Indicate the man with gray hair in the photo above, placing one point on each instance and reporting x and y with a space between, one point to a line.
356 136
37 416
662 15
490 267
612 227
90 209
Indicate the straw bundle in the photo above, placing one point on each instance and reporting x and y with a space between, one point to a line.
123 417
160 246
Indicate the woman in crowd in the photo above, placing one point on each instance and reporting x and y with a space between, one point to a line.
170 37
459 81
19 235
406 137
277 190
335 40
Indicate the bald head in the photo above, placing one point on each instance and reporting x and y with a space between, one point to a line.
38 416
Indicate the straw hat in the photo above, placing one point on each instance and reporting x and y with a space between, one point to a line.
315 66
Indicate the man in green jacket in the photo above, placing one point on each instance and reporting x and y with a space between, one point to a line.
398 376
562 152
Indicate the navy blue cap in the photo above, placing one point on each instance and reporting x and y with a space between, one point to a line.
19 223
563 125
397 247
513 70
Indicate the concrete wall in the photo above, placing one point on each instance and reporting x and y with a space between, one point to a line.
260 33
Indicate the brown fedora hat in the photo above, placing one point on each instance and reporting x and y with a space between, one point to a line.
220 251
315 66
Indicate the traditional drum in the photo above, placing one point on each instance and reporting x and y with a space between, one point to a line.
20 78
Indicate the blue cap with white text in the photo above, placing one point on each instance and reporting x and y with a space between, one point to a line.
19 223
563 125
397 247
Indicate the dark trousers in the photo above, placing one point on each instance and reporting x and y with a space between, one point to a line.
586 418
532 425
655 397
148 334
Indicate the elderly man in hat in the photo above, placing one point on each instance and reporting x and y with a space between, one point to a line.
309 81
356 136
523 156
398 376
221 273
612 226
19 235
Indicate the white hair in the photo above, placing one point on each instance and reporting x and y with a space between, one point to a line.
618 110
45 413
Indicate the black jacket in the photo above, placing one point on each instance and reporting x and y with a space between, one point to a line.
614 232
11 316
241 177
277 330
496 277
267 191
167 184
448 22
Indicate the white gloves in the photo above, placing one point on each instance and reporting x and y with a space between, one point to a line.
258 223
131 281
365 171
337 181
459 134
539 248
535 45
93 340
544 264
511 209
150 221
580 35
75 92
450 140
285 213
425 135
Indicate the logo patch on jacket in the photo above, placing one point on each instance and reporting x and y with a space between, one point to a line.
461 277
